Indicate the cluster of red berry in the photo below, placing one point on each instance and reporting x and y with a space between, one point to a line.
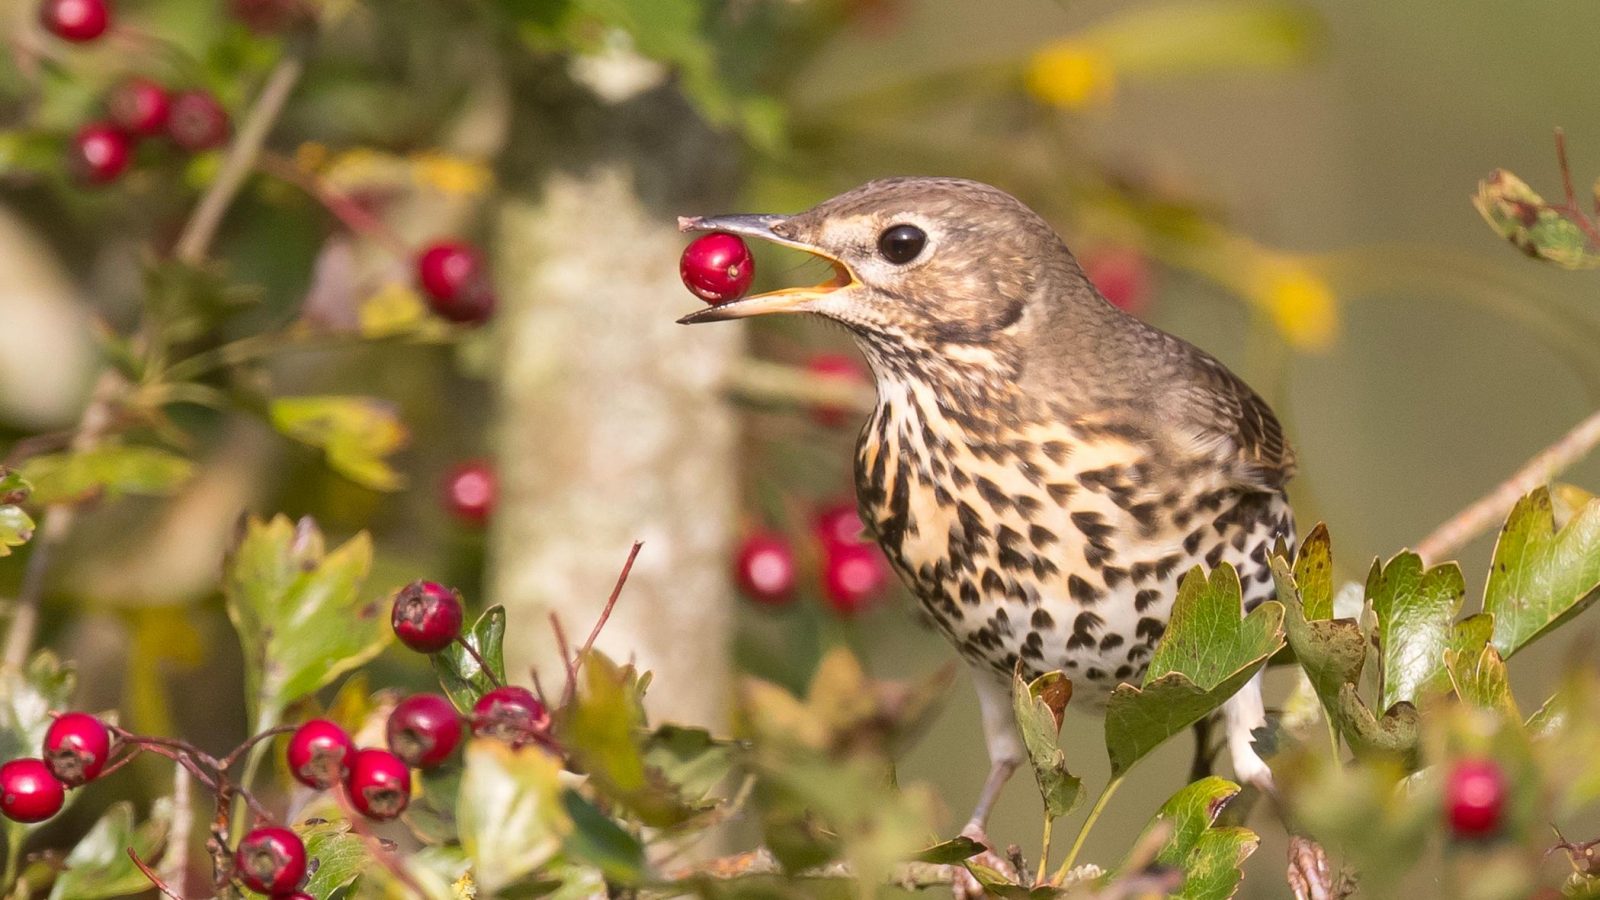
135 109
854 573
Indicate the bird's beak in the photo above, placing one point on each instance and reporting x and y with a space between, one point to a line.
787 300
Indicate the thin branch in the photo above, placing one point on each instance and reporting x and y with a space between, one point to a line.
909 876
175 862
611 602
566 658
227 762
1490 509
483 665
155 879
241 157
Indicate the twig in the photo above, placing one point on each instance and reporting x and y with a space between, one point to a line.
566 658
483 665
611 602
155 879
761 862
241 156
1491 508
227 762
175 862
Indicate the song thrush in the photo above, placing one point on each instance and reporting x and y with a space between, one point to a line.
1041 467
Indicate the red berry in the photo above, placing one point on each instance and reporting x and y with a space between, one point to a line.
99 153
839 523
139 106
1475 798
75 20
320 754
293 895
511 714
717 267
1122 276
845 370
196 121
424 730
76 748
28 792
271 860
853 576
469 492
765 569
452 275
379 784
427 616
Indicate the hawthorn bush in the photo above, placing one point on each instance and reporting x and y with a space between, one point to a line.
1401 755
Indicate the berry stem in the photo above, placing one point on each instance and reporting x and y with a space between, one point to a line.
1088 825
594 633
241 156
227 762
483 666
160 884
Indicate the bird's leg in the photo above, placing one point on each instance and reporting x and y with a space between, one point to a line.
1242 714
1006 752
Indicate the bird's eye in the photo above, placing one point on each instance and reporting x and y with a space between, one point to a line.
901 244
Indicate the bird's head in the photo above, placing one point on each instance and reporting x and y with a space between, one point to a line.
918 261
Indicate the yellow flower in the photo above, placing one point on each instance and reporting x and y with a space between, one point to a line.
449 174
1302 304
1072 74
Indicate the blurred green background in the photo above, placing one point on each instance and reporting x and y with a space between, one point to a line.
1330 146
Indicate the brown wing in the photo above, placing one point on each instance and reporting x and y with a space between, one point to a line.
1226 413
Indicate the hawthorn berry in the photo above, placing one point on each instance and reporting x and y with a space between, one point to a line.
76 748
838 523
424 730
1122 275
196 121
139 106
427 616
271 861
379 784
843 369
99 153
765 568
469 492
1475 798
511 714
29 792
75 20
452 276
320 754
853 576
717 267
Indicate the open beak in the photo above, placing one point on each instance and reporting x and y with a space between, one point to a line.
781 301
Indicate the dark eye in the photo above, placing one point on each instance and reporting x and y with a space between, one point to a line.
900 244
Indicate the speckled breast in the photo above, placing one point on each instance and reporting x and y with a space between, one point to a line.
1051 538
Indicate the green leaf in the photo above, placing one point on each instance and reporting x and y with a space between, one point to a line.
110 469
690 759
459 673
1521 216
99 866
1313 574
1038 707
26 699
950 852
15 526
298 610
356 433
1415 609
1208 856
1480 678
509 811
1206 655
1539 577
340 854
602 843
1395 733
1330 651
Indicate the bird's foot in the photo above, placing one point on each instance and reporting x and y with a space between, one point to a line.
965 886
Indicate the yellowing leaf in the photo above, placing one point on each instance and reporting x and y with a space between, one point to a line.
1039 721
356 433
509 812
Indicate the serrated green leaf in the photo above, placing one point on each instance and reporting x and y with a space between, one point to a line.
1467 639
356 433
1415 609
340 855
1540 577
1332 652
1521 216
110 469
1208 856
299 613
459 673
1395 733
1208 652
597 840
1480 678
99 867
1040 724
509 811
690 759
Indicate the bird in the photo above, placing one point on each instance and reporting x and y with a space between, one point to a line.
1040 467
